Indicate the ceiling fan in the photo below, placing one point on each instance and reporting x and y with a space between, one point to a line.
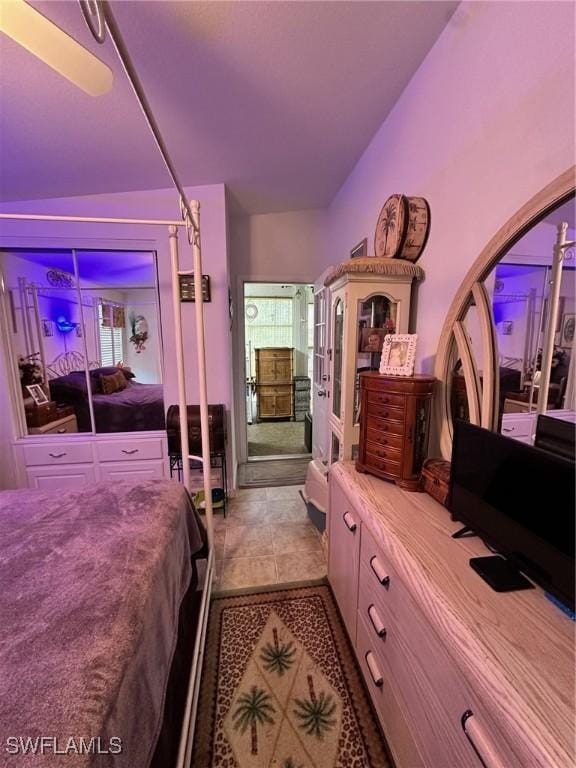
35 32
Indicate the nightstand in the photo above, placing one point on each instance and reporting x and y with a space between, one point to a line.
57 427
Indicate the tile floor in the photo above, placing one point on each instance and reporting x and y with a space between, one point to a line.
266 538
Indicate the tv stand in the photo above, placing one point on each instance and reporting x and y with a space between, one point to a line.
451 645
499 573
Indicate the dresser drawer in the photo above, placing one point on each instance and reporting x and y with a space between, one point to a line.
384 696
385 425
383 398
385 412
130 450
281 389
517 427
375 435
135 470
392 468
382 451
71 452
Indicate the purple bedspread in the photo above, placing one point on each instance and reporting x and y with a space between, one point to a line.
91 582
137 408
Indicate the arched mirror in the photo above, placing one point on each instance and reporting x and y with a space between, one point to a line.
507 347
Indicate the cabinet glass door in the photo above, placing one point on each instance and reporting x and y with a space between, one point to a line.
376 318
337 347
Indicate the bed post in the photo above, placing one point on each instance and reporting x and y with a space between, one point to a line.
201 354
182 405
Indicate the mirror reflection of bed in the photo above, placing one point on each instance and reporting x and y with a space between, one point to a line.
85 329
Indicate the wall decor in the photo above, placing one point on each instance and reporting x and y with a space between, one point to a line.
139 326
398 354
360 250
417 229
48 327
187 288
391 227
567 336
507 327
37 394
372 339
59 279
559 315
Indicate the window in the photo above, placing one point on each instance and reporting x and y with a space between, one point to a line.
110 328
320 336
268 324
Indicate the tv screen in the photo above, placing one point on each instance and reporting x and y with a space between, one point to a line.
520 500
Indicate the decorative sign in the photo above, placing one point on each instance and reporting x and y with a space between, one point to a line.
187 288
59 279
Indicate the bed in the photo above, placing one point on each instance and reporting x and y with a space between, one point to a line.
93 583
136 408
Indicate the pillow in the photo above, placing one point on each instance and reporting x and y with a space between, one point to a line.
109 371
116 382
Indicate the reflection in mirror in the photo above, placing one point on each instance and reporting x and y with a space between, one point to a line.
522 284
85 330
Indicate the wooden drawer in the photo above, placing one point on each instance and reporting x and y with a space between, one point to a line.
51 453
392 468
384 438
515 427
130 450
274 354
383 398
390 712
280 389
384 425
49 478
385 412
383 451
426 680
135 470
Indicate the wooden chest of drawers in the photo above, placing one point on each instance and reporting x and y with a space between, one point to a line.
394 419
274 373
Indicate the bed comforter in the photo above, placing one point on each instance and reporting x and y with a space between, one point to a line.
91 582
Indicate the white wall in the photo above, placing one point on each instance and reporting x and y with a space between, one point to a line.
485 123
155 204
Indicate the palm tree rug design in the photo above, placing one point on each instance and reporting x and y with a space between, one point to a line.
281 688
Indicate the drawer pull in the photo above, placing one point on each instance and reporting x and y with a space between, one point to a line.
61 431
373 669
349 521
480 741
131 452
376 622
379 572
507 429
57 455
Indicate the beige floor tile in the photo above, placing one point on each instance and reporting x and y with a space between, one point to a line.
248 541
301 566
284 492
219 536
290 537
287 511
248 572
250 494
247 513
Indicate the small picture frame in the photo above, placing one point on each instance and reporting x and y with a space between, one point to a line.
567 334
372 339
37 394
398 354
360 250
187 288
507 327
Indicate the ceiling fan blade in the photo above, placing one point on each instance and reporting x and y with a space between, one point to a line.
52 45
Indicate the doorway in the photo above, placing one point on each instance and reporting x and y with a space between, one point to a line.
278 356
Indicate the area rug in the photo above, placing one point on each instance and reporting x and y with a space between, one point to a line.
276 438
262 474
281 689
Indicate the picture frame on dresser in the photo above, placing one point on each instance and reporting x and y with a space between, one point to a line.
37 394
398 354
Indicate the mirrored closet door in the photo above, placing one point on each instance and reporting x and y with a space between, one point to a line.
84 338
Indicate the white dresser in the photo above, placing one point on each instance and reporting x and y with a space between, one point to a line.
522 426
52 462
460 676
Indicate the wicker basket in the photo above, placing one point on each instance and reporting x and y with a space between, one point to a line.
436 479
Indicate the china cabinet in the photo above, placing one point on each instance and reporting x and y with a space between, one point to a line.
369 297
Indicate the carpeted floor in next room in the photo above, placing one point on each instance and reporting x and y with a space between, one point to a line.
276 438
281 688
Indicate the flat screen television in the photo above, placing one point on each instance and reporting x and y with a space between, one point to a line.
520 500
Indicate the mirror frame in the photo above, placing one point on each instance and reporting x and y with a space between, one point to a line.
482 398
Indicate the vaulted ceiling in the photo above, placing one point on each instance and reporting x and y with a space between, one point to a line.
276 99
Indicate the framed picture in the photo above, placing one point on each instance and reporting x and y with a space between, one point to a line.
559 316
398 354
372 339
360 250
567 334
187 288
37 394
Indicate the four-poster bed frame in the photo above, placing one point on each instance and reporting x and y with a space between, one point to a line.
100 20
